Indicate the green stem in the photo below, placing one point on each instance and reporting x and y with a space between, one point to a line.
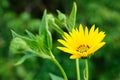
86 69
77 69
59 66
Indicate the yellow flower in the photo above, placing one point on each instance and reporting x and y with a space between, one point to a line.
82 43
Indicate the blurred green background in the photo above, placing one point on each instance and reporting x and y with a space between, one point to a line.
20 15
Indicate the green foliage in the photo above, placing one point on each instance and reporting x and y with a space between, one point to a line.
44 32
54 77
40 44
26 56
18 45
72 18
63 20
21 15
53 25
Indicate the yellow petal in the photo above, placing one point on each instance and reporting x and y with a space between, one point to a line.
93 37
96 47
81 34
81 29
68 44
63 42
99 38
66 35
66 50
86 36
86 31
75 56
99 46
92 29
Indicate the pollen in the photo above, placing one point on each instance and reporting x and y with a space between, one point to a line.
82 48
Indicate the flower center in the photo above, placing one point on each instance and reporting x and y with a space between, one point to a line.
82 48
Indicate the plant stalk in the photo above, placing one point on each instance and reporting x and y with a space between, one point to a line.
59 66
77 69
86 69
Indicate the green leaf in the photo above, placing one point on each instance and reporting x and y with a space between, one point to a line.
18 45
72 18
30 34
34 43
54 77
61 16
29 41
43 55
56 27
43 25
49 40
44 32
14 34
39 41
26 56
53 25
61 20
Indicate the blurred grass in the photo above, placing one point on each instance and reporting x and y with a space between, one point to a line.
26 14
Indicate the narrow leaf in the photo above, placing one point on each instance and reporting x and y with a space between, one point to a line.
61 16
26 56
49 40
18 45
51 22
43 25
61 20
56 27
72 18
30 34
14 34
29 41
54 77
44 32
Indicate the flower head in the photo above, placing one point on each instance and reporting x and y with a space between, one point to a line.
81 43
